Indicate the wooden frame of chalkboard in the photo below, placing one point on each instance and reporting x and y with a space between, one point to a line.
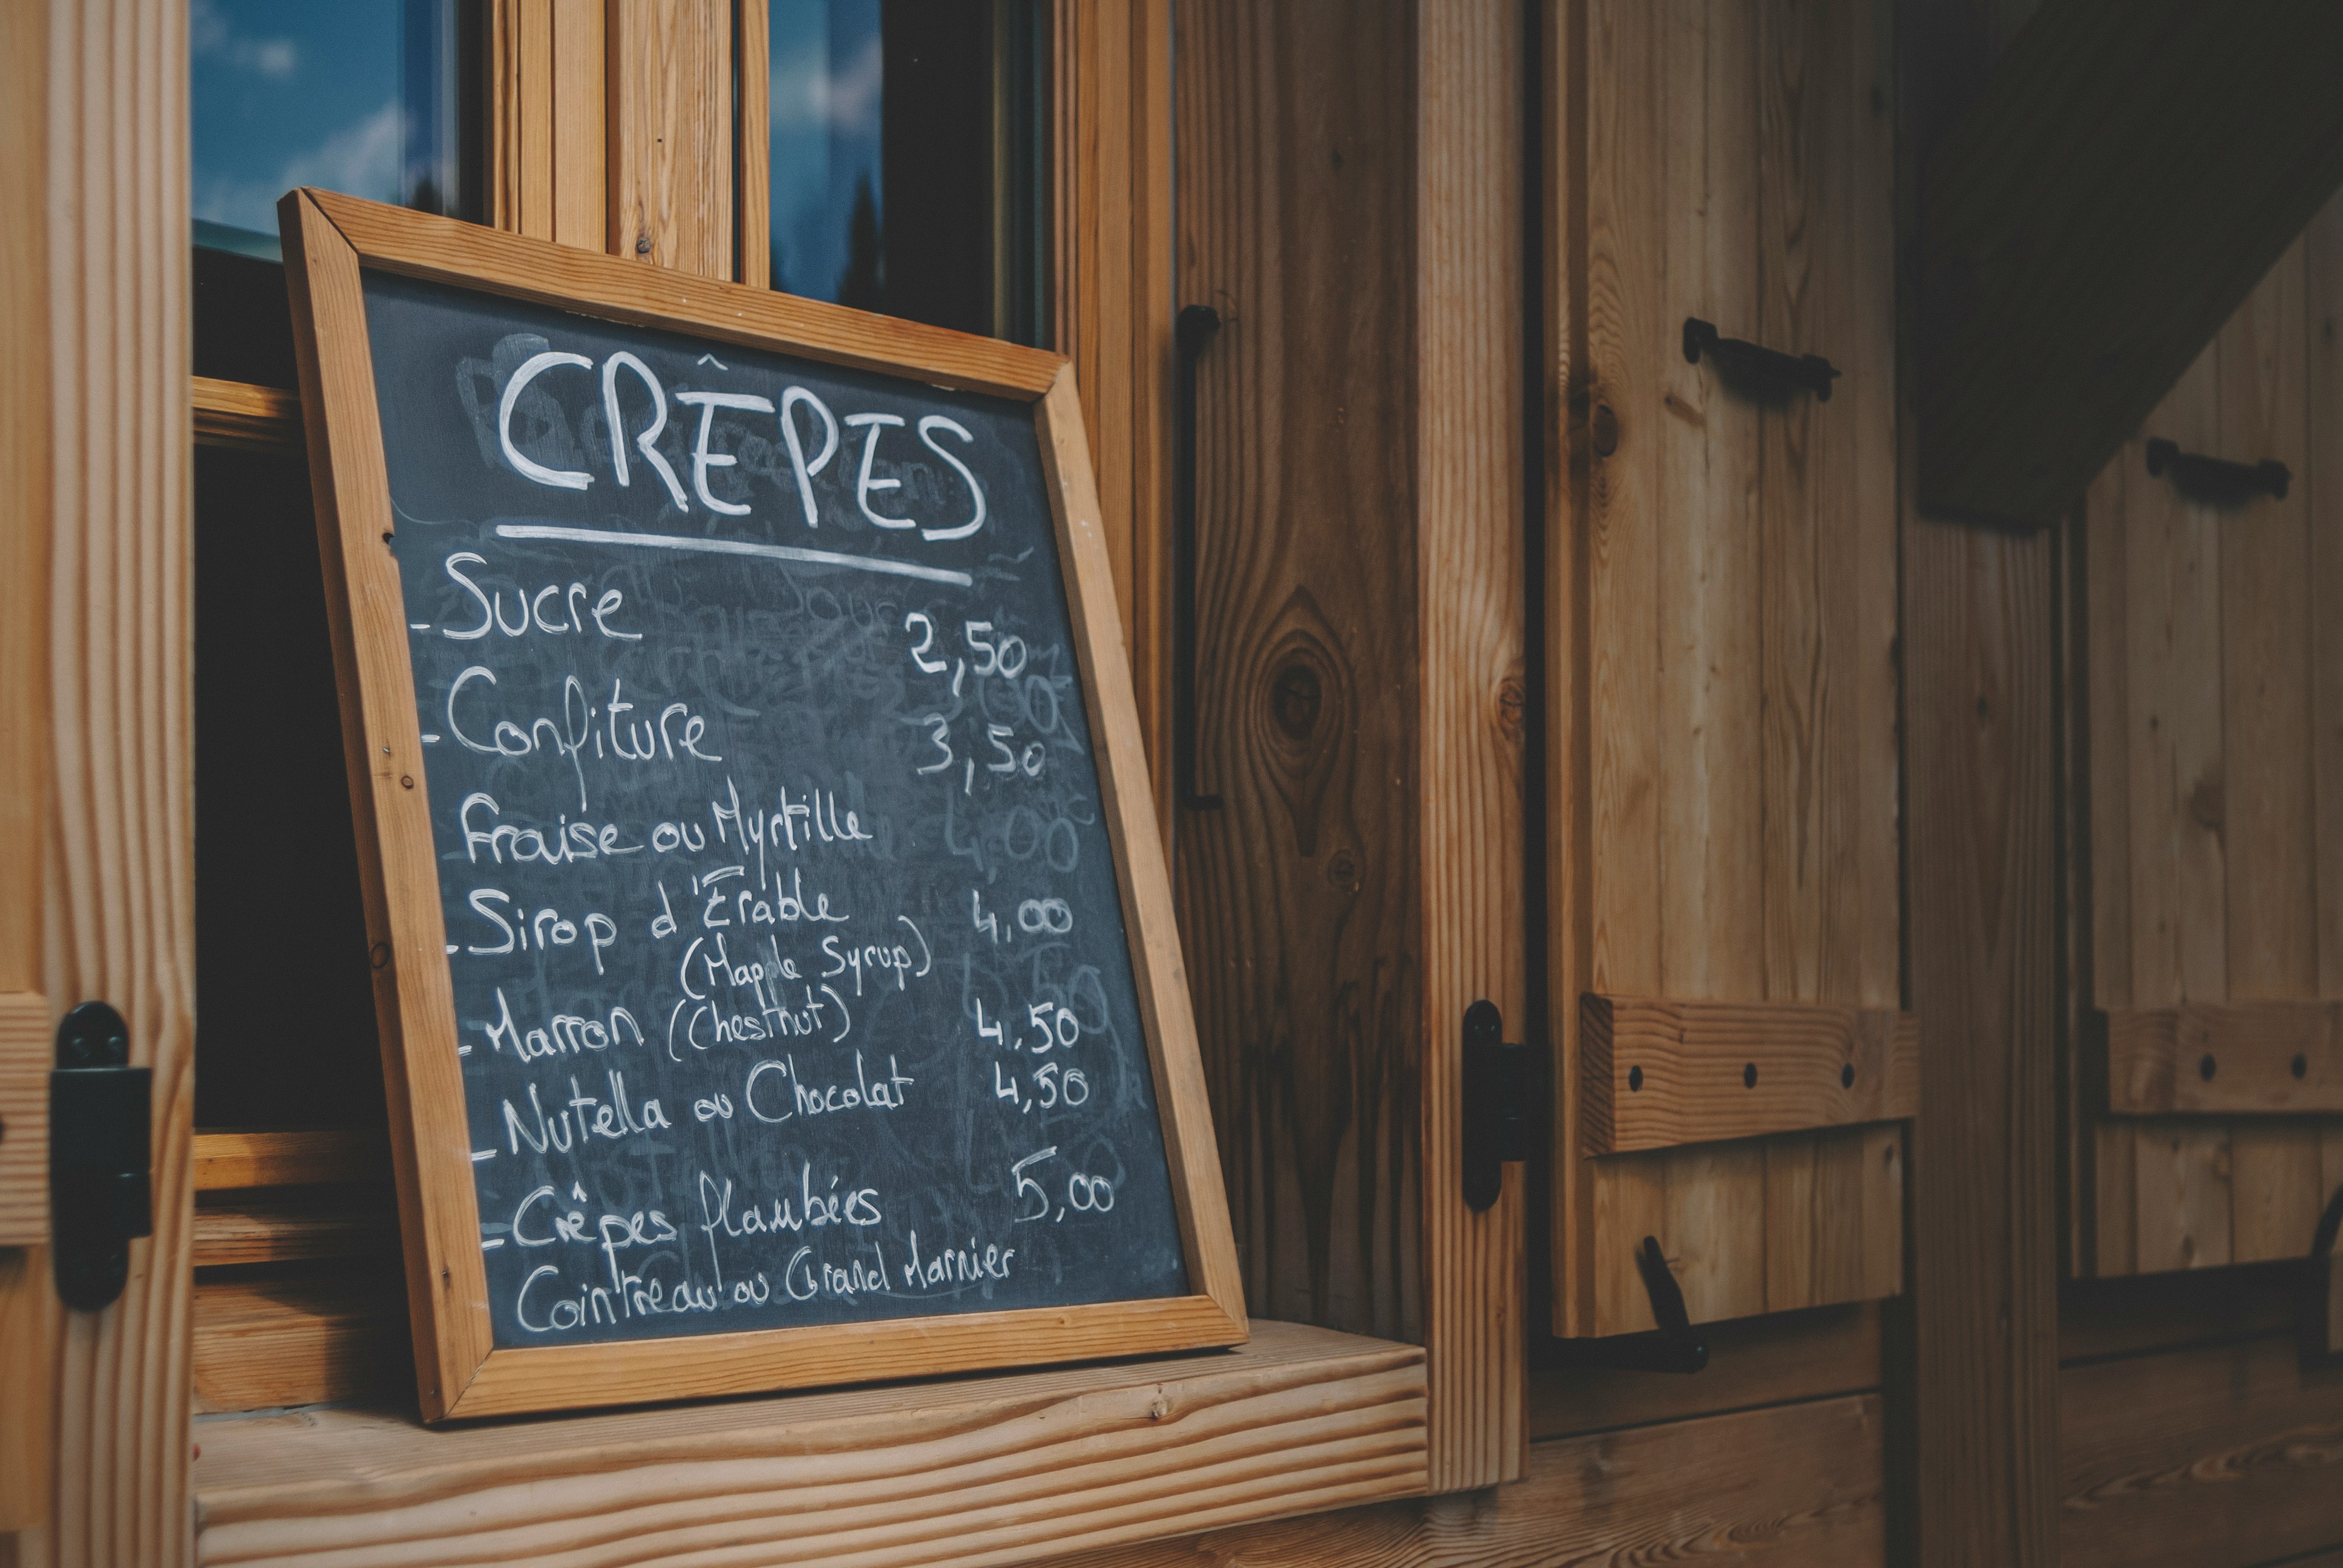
331 241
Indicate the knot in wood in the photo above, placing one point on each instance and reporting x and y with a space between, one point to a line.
1603 428
1513 707
1296 697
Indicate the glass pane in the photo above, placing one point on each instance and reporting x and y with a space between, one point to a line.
360 95
907 159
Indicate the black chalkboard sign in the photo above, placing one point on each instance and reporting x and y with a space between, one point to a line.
776 973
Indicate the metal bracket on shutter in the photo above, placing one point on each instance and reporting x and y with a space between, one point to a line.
100 1118
2216 481
1673 1347
1495 1132
2322 1304
1768 375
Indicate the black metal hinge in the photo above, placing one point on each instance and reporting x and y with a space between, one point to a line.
100 1116
1497 1132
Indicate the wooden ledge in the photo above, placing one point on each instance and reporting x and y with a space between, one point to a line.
239 413
964 1471
2244 1059
1658 1074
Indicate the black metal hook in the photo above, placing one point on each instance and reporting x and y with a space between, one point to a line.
2216 481
1192 330
1767 374
1673 1347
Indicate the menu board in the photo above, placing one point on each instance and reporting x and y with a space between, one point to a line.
789 969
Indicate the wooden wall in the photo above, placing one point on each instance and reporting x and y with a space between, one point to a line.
2209 814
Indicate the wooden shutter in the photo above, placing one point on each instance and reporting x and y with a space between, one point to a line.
1721 618
2210 806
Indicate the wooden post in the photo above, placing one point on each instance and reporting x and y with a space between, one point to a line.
26 415
671 196
118 904
1974 1355
548 141
1349 202
1114 299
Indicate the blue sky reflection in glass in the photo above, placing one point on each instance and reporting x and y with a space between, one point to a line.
354 97
829 71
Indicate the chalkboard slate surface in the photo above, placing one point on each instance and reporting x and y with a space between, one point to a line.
784 931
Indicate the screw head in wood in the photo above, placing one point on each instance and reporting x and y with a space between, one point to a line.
1634 1078
2300 1065
1846 1076
1749 1075
2206 1067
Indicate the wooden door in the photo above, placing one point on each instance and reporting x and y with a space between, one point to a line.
2210 804
1720 614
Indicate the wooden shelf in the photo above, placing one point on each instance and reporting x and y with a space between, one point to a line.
273 1230
959 1471
225 1161
255 418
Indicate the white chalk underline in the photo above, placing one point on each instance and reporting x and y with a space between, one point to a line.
733 547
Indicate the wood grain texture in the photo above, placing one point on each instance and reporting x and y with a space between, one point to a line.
1795 1484
421 246
2201 846
985 1470
226 1161
2124 181
1975 1360
118 904
2209 1457
1662 1073
264 1345
670 121
1780 1358
458 1372
1299 904
548 137
1468 532
238 414
28 430
1723 669
2103 1319
752 143
2322 247
2157 1059
280 1230
1113 292
27 1051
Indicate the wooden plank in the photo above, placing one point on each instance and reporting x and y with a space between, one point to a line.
2128 176
27 1051
1979 772
972 1471
2179 886
27 423
2268 831
2221 1455
1114 289
1774 1359
2157 1057
1662 1073
1470 605
2323 306
119 905
226 1161
278 1230
238 414
752 143
671 134
1298 900
1796 1484
262 1344
2101 1319
2184 1196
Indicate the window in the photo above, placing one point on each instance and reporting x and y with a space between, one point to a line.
907 159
